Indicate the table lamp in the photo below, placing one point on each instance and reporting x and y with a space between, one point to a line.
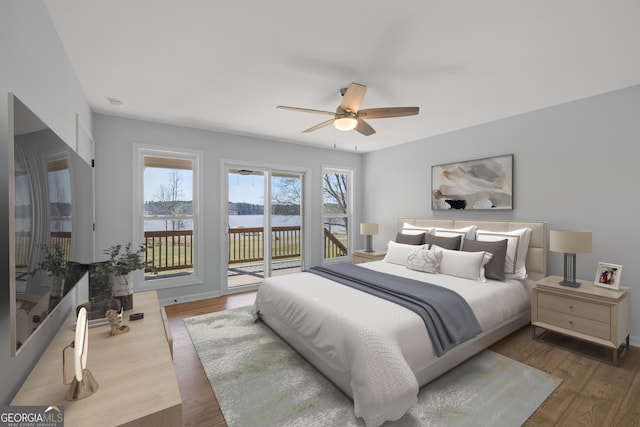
368 229
570 242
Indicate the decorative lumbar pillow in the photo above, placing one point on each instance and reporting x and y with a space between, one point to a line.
410 239
423 259
397 253
517 247
452 243
469 265
466 232
414 229
494 268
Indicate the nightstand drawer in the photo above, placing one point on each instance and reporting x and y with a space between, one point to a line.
575 323
587 310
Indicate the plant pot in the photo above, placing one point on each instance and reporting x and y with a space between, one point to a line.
75 271
100 291
123 290
100 284
56 292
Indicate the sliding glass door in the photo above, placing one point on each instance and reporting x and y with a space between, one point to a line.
264 224
286 223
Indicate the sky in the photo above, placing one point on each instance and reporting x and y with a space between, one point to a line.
155 177
246 188
242 188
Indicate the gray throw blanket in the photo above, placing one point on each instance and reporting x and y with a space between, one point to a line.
447 316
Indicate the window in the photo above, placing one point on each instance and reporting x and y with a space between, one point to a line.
336 212
60 203
168 215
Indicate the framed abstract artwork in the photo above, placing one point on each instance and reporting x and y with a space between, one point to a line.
481 184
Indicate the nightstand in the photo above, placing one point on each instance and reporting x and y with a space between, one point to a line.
589 313
360 256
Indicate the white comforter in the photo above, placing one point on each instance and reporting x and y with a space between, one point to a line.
378 343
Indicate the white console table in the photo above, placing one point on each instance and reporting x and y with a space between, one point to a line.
134 371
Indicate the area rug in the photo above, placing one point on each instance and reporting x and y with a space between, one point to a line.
260 381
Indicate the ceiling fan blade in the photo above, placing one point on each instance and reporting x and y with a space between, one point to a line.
353 97
365 128
380 113
305 110
318 126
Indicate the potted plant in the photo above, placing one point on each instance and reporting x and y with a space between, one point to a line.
121 265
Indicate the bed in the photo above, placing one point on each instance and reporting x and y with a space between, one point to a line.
379 353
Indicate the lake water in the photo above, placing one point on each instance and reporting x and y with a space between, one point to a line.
235 221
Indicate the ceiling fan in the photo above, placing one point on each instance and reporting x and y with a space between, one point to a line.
348 115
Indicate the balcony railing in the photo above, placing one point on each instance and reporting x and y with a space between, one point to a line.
169 250
61 239
333 247
246 244
173 250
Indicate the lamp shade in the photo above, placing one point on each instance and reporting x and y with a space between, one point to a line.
368 228
570 241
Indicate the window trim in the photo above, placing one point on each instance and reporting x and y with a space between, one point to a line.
350 211
196 157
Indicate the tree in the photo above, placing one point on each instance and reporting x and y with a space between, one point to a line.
287 191
336 196
170 196
336 190
287 195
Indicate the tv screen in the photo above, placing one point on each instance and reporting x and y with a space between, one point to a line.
53 220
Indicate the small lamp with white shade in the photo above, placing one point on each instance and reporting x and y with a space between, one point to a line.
368 229
570 242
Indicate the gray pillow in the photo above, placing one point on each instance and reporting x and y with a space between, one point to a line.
410 239
494 268
452 243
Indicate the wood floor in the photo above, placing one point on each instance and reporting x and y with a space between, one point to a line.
592 393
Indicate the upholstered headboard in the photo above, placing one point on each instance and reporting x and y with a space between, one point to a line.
536 262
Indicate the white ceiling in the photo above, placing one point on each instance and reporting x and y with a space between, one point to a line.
225 64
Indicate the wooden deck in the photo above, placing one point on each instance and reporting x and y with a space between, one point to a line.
251 274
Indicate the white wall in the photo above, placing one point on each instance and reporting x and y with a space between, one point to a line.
36 69
114 138
576 166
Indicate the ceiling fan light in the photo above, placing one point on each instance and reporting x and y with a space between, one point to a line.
345 123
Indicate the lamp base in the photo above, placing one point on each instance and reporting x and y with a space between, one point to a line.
569 278
570 283
81 389
369 244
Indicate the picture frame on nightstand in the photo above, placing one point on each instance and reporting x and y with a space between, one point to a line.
608 275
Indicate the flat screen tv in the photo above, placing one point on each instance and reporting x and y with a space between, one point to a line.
51 189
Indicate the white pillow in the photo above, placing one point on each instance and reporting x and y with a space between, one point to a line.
397 253
466 232
423 259
517 247
414 229
469 265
